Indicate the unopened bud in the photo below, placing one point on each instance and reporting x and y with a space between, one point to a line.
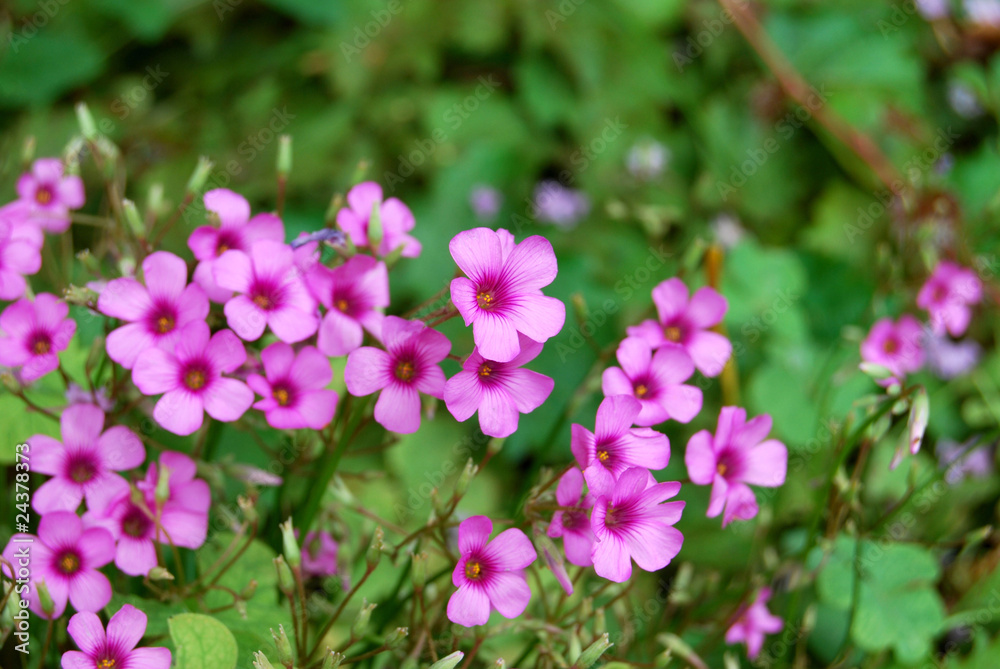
419 569
877 372
396 638
290 545
86 120
162 493
260 661
154 201
499 664
133 219
283 646
80 296
286 581
249 590
919 414
360 625
9 382
28 151
248 507
594 652
466 477
375 226
45 599
159 574
376 548
332 660
580 308
449 661
200 176
600 624
284 155
88 261
494 446
394 256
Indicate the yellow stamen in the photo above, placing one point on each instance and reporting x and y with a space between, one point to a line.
721 468
342 305
281 395
164 324
485 300
43 195
485 369
672 333
603 456
262 301
195 379
641 390
473 570
41 346
405 371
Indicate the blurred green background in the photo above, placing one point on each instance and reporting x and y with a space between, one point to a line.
431 98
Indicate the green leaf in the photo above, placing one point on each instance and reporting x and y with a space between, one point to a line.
39 68
202 642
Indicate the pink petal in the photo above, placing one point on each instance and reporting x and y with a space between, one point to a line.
233 209
263 226
292 325
193 341
672 364
203 242
165 274
398 408
614 382
473 534
528 389
508 593
355 226
88 632
124 298
97 547
47 455
81 424
59 529
582 444
155 372
570 487
615 416
228 399
317 407
510 550
700 458
74 659
671 298
496 337
498 415
180 412
367 371
720 490
611 559
634 356
469 606
311 369
531 265
709 351
431 381
462 395
339 334
277 359
127 343
707 307
245 318
463 296
185 527
765 464
363 196
57 494
89 591
538 316
71 192
477 253
654 545
149 658
233 271
579 546
682 402
226 351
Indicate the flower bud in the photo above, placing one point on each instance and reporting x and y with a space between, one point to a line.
466 477
575 647
375 226
289 544
419 569
360 625
159 574
284 155
240 606
580 308
154 201
332 660
877 372
248 507
162 493
88 261
9 382
283 646
394 256
45 599
593 652
286 581
494 446
249 590
919 414
396 638
83 297
199 177
86 120
376 548
260 661
133 219
28 151
499 664
600 624
449 661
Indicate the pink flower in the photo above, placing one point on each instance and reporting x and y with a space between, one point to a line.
35 333
685 323
616 446
183 516
631 523
896 346
736 456
157 312
319 554
191 380
271 293
947 296
117 647
489 574
20 255
753 623
502 295
83 465
408 367
655 380
294 388
397 220
66 557
352 294
573 525
498 390
236 231
49 194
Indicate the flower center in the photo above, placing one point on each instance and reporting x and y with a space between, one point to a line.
43 195
405 371
473 570
106 663
82 471
672 333
611 518
721 468
263 301
195 379
135 523
342 305
603 456
485 370
282 396
164 324
69 563
486 299
40 343
641 390
891 345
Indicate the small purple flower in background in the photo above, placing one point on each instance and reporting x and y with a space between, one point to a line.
354 294
947 296
499 391
191 380
83 465
66 557
502 295
35 333
270 293
294 388
753 623
631 522
573 525
20 255
489 574
685 323
896 346
485 202
647 159
319 555
964 460
252 475
397 220
561 206
407 367
964 100
77 394
933 10
738 454
615 445
949 359
237 231
183 516
727 230
656 380
115 649
50 195
156 313
983 12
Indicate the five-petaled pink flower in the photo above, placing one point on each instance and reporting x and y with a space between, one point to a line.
615 445
572 523
20 254
66 557
50 194
294 387
83 465
35 333
270 290
397 220
631 522
157 312
898 347
489 574
116 648
407 367
753 623
236 231
183 516
947 296
738 454
502 295
685 323
190 378
498 390
353 295
656 380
